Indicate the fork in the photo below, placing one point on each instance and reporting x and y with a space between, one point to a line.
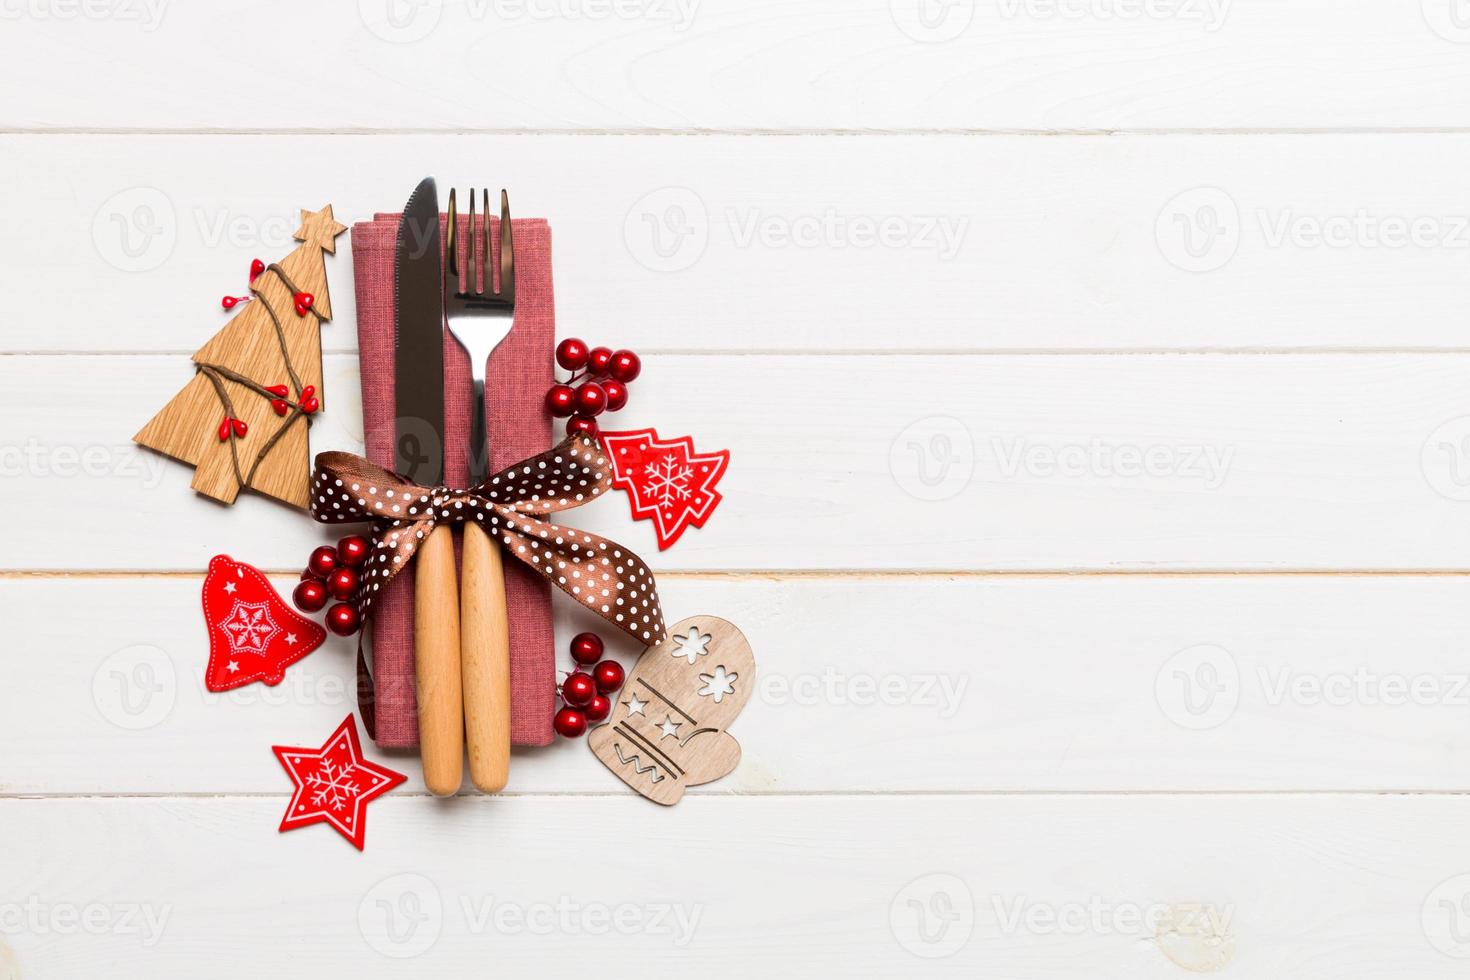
479 318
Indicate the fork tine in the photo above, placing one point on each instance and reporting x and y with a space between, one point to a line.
471 267
507 249
451 248
486 271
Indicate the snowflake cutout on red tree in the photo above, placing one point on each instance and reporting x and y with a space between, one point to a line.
334 784
253 634
667 481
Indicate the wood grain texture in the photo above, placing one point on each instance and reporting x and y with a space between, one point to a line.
723 64
436 662
485 660
979 243
941 685
670 725
1315 888
998 463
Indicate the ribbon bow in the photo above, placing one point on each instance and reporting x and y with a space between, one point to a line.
601 575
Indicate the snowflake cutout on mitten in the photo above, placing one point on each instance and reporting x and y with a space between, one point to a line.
668 482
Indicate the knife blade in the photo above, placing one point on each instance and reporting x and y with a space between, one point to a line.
418 378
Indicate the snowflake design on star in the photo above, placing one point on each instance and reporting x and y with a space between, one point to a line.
249 627
718 684
333 785
691 647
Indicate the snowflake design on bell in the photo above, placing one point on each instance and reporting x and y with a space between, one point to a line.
249 627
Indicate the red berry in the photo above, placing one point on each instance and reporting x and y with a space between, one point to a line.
624 366
279 406
591 400
280 391
617 394
304 299
310 406
353 550
230 302
342 583
309 572
308 391
569 723
608 676
577 425
560 400
578 689
586 648
224 429
310 595
240 427
598 708
571 354
323 561
598 358
256 268
343 620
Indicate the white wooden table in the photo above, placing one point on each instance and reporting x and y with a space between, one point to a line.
1097 383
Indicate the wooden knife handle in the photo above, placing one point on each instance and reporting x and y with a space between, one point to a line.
485 660
436 662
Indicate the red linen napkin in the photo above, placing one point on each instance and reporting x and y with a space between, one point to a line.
520 371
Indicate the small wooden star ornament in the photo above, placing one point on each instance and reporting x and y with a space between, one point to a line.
334 784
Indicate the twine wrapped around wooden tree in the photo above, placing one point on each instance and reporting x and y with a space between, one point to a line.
231 422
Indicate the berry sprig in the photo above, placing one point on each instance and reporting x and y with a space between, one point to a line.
586 695
605 375
333 573
300 301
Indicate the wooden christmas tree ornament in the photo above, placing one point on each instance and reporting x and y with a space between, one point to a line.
668 729
272 345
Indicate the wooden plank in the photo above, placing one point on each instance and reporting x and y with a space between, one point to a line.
721 64
885 684
1144 463
815 243
1307 887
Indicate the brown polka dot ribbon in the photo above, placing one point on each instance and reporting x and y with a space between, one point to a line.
601 575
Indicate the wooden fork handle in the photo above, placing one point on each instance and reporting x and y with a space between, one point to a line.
485 660
436 663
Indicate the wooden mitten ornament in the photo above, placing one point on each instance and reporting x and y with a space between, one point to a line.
668 726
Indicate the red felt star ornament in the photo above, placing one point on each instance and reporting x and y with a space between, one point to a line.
253 634
666 480
334 784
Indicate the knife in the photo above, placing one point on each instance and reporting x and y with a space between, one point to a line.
419 450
